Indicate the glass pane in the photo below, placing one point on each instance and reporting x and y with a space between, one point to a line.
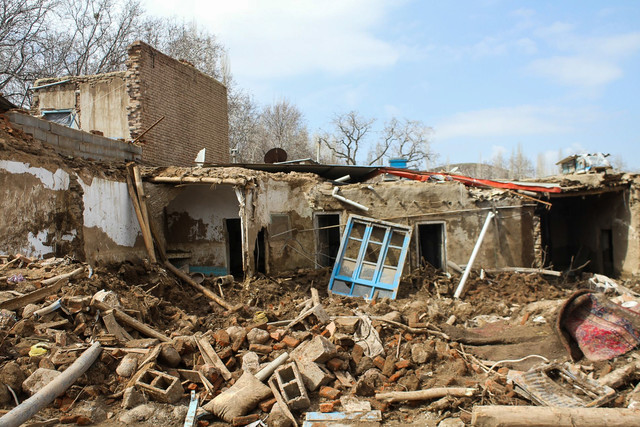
393 257
357 231
397 238
341 287
377 234
353 249
388 274
347 268
361 291
373 252
367 271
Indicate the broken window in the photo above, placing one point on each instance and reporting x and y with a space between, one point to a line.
370 259
62 117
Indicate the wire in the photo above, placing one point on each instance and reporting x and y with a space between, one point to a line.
518 360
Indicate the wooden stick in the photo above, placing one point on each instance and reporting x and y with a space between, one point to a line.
410 329
62 276
432 393
198 286
546 416
210 356
148 129
32 297
128 320
525 270
146 236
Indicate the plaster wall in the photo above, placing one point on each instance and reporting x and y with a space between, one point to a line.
103 105
195 223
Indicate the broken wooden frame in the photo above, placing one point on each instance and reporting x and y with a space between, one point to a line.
371 258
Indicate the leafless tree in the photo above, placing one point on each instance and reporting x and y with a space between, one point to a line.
349 136
244 125
519 165
282 126
407 139
22 27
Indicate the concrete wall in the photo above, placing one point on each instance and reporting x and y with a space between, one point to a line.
72 142
100 101
193 104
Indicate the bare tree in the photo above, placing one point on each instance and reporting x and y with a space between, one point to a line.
244 125
519 165
22 29
349 136
282 126
407 139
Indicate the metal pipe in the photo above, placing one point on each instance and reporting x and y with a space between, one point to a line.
266 372
467 269
343 178
48 309
347 201
27 409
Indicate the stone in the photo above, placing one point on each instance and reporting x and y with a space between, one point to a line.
11 374
40 378
236 333
170 356
318 350
368 383
451 422
258 336
138 414
277 418
364 365
394 316
127 365
422 353
314 375
251 362
28 310
132 398
389 366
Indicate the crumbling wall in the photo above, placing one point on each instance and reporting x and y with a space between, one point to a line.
630 263
194 107
195 223
99 101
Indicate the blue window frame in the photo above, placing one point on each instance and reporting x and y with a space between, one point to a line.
370 258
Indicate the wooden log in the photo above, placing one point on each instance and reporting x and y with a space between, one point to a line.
146 235
209 294
210 356
196 180
128 320
432 393
545 416
143 206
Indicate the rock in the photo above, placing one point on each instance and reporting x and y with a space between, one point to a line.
28 310
110 298
12 375
369 382
258 336
132 398
138 414
409 382
394 316
364 365
422 353
251 362
5 395
277 418
40 378
127 366
236 333
93 411
451 422
170 356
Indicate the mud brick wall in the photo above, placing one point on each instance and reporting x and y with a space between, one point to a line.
193 104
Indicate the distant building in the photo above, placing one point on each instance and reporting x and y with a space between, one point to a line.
584 163
123 105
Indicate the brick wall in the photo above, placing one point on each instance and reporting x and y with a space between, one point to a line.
193 104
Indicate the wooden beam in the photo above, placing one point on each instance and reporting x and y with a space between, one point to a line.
210 356
546 416
128 320
198 286
146 235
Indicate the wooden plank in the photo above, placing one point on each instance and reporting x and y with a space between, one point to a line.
210 356
32 297
146 236
143 206
545 416
114 328
128 320
198 286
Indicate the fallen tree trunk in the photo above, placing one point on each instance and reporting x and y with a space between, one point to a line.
432 393
208 293
545 416
55 388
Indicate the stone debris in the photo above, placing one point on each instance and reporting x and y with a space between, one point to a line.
345 355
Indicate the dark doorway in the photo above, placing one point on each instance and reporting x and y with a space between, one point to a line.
328 238
234 243
606 245
431 244
259 253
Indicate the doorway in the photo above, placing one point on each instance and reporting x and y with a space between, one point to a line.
431 240
327 238
234 246
259 253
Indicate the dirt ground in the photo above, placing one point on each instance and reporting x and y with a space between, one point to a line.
429 339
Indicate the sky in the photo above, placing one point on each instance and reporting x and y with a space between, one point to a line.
557 78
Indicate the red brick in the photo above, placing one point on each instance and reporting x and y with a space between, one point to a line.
266 405
380 406
408 337
261 348
329 406
276 335
326 334
329 392
225 353
357 353
335 364
291 341
84 421
378 362
68 419
402 364
222 338
279 346
395 377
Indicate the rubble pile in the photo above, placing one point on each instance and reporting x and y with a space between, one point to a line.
284 351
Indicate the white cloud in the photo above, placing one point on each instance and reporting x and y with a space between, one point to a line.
283 38
577 70
511 121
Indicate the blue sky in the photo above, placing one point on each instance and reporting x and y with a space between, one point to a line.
557 77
